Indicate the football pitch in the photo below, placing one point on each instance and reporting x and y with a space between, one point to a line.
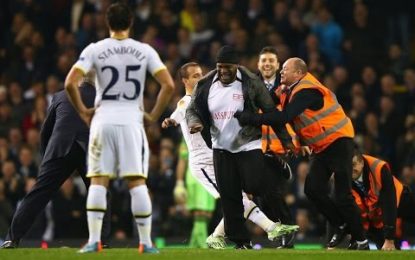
201 254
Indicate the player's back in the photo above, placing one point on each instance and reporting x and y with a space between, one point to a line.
121 67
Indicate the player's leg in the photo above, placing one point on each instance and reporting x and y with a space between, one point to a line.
101 166
133 159
204 174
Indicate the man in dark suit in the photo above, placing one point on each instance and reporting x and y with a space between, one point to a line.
64 142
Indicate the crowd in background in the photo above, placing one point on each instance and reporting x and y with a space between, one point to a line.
364 51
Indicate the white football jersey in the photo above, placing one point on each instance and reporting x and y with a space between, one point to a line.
121 67
198 150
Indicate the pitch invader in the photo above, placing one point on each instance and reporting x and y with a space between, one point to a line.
201 165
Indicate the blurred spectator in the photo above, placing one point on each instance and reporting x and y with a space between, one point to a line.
358 112
5 119
52 86
330 36
37 116
15 141
342 90
14 185
6 210
86 33
33 142
371 86
362 41
397 61
69 212
306 226
26 166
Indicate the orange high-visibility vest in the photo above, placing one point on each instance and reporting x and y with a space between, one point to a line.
318 129
370 212
275 145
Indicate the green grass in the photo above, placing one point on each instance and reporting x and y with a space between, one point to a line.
202 254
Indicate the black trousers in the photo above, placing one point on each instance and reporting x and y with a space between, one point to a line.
273 202
237 172
52 175
335 160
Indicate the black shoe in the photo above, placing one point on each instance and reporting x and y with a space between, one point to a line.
9 244
338 236
243 246
286 241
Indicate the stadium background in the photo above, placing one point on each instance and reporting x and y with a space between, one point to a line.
363 50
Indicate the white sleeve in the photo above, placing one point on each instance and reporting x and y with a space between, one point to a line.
154 62
85 60
179 114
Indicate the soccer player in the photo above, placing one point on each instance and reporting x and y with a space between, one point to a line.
201 164
118 145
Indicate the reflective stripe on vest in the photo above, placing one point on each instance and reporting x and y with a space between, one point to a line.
373 167
326 133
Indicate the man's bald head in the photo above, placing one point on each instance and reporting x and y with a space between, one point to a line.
299 64
293 70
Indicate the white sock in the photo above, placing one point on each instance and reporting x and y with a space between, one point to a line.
141 209
254 214
220 229
96 205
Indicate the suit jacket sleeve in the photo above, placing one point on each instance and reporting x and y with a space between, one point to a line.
265 102
47 127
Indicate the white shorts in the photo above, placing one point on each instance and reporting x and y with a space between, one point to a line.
117 151
205 175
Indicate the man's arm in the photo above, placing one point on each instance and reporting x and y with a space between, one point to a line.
47 127
72 82
304 99
165 80
387 197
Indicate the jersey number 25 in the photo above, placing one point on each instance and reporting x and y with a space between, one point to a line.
114 79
